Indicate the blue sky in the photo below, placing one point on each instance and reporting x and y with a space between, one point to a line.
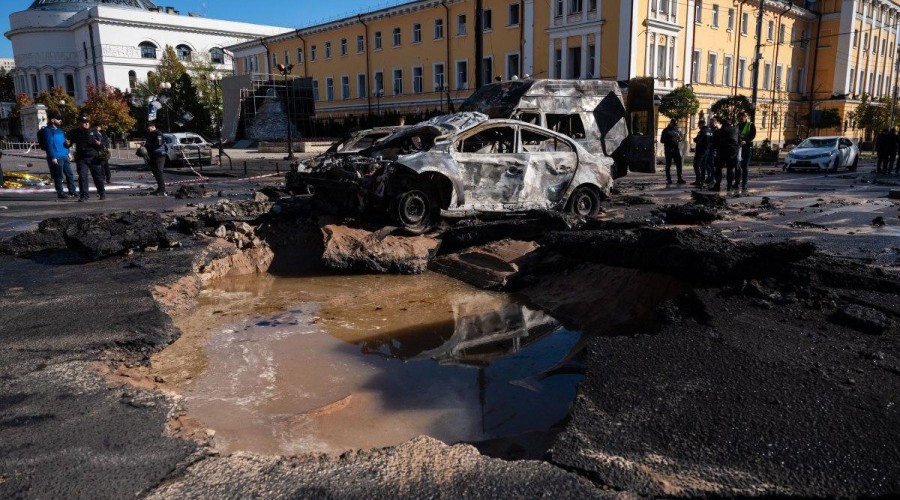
272 12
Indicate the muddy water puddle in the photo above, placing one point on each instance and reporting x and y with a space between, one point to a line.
325 364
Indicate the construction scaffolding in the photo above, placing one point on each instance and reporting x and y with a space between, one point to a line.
249 98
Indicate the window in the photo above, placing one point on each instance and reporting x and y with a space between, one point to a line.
274 59
592 61
874 44
800 85
698 11
327 50
883 41
576 6
557 62
417 33
148 50
312 53
570 124
396 37
559 8
287 58
183 52
695 66
767 75
216 55
343 46
512 65
855 38
300 55
486 20
438 29
764 116
790 77
715 16
592 5
461 25
742 72
711 63
345 87
379 82
770 31
360 44
730 19
779 71
462 75
487 70
794 33
438 70
726 70
534 141
50 82
329 89
315 90
398 81
361 86
34 86
512 18
418 84
865 41
492 140
745 23
377 40
782 33
70 82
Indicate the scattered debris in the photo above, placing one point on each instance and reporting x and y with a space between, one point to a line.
360 250
495 266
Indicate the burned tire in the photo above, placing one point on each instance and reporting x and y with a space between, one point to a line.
585 201
416 210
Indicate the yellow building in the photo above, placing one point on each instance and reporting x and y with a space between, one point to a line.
424 54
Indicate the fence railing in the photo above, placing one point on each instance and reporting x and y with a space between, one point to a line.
32 150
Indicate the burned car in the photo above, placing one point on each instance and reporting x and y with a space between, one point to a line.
460 164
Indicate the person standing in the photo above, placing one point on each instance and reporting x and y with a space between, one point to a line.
883 144
747 132
710 177
726 141
701 152
103 152
86 147
671 141
156 156
58 156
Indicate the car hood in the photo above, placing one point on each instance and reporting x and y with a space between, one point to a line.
810 152
441 125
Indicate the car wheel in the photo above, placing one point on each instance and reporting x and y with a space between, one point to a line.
855 164
416 211
585 201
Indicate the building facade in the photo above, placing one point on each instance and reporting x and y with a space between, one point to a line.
799 57
75 43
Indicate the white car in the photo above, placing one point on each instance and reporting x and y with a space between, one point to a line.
187 148
823 153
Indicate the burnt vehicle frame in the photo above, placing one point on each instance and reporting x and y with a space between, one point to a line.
459 164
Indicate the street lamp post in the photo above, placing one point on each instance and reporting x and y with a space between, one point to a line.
378 95
285 71
215 78
164 88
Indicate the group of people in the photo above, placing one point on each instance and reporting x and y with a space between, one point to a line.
719 145
89 142
886 145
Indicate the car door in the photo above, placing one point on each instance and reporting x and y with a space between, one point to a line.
490 168
846 149
551 161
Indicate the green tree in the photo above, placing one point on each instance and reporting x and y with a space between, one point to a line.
679 104
106 106
7 86
823 119
873 115
729 107
210 97
59 101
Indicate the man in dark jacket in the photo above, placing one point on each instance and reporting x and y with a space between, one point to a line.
727 145
58 156
746 134
86 147
156 151
701 152
884 146
671 141
710 177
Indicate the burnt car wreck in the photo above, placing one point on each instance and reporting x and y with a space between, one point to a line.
469 162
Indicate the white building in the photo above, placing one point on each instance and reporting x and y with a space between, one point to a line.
7 63
76 43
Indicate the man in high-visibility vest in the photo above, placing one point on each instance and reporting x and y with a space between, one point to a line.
746 133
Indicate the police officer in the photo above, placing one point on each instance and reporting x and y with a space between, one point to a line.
156 156
701 152
86 147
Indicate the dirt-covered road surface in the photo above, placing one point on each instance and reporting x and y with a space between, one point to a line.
770 365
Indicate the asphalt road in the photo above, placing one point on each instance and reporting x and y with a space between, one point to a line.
750 401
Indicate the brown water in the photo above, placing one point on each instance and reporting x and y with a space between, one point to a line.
326 364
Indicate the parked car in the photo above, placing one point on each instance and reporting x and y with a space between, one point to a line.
187 148
823 153
459 164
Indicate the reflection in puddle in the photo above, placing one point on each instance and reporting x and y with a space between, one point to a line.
333 363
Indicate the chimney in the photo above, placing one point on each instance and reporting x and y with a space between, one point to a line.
171 10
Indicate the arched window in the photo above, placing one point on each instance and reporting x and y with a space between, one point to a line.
217 55
148 50
132 79
183 52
